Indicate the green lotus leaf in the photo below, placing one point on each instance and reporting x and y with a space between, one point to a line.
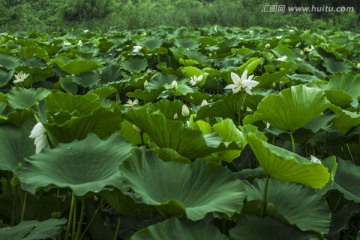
190 43
68 84
338 97
151 42
347 180
135 64
267 228
5 77
174 229
345 120
32 51
303 78
36 74
104 92
15 144
87 79
177 188
8 61
23 98
301 206
78 66
334 66
349 83
172 134
33 230
266 80
292 108
282 50
148 96
228 107
287 166
67 117
168 108
84 166
250 65
198 57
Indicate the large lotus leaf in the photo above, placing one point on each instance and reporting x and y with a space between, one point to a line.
338 97
172 134
31 51
8 61
190 43
303 78
284 165
78 66
251 227
301 206
177 188
148 96
334 66
345 120
151 42
33 230
292 108
5 77
349 83
15 144
175 229
84 166
347 180
135 64
87 79
250 65
23 98
228 107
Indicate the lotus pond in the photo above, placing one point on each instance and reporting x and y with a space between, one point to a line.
180 133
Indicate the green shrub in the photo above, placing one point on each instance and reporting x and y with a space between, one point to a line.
75 10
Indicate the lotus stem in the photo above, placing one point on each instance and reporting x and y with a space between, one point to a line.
117 228
70 218
14 208
74 220
23 207
82 213
92 219
264 201
292 142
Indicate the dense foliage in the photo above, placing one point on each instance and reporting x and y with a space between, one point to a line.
103 15
150 134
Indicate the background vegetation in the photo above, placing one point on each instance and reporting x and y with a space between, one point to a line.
48 15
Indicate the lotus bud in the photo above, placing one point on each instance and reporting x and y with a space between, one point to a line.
176 116
204 103
146 83
174 85
358 66
315 159
267 45
185 111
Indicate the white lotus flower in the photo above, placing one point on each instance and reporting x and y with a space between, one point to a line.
315 159
282 59
66 43
358 66
278 37
176 116
137 49
204 103
20 77
244 82
131 103
80 43
306 49
39 134
267 45
174 85
185 111
195 80
86 30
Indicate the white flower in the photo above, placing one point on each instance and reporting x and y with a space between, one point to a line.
86 30
195 80
176 116
358 66
66 43
306 49
137 49
174 85
244 82
267 45
20 77
282 59
315 159
278 37
146 83
185 111
204 103
267 125
80 43
131 103
39 134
